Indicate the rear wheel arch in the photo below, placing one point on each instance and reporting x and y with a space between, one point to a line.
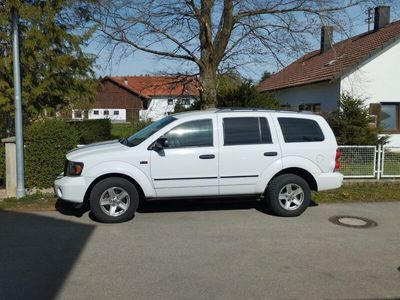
307 176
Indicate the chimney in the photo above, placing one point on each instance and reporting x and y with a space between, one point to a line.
326 38
382 17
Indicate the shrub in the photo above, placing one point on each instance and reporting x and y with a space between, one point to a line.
350 123
92 131
246 95
46 143
139 125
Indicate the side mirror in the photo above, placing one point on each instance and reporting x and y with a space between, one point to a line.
160 144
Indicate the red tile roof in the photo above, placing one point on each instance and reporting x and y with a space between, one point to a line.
150 86
343 56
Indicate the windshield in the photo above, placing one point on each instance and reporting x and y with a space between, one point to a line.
146 132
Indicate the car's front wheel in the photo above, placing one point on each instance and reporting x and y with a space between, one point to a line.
114 200
288 195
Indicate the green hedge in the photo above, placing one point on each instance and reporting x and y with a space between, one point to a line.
126 130
46 143
92 131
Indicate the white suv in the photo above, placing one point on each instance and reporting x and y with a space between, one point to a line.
276 155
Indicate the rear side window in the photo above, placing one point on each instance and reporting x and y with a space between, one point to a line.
245 131
296 130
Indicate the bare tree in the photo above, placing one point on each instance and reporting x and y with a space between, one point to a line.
212 35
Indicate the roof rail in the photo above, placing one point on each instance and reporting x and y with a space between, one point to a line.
241 109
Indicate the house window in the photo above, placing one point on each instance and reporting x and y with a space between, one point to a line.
170 101
77 114
185 102
314 107
96 112
116 112
106 112
390 116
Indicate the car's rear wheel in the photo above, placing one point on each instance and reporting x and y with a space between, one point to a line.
114 200
288 195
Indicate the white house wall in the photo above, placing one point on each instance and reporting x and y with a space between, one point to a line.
158 108
325 93
120 117
377 80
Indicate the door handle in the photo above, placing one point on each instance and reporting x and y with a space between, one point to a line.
270 153
207 156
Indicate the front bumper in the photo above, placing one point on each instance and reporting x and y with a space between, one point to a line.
72 189
329 181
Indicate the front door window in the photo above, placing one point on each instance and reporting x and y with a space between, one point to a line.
191 134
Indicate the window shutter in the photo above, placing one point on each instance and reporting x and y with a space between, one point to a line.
375 111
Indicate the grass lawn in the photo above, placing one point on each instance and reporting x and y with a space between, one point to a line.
352 169
361 192
121 130
35 202
357 192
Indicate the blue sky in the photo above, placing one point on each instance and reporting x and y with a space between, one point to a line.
141 63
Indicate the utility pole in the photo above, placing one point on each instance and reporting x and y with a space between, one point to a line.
19 138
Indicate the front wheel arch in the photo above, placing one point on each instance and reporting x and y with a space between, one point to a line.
98 179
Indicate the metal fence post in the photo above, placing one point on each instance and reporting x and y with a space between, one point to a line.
378 167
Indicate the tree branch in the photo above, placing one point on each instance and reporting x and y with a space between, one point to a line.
224 31
123 39
297 8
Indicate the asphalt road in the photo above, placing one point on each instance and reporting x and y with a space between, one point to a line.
192 250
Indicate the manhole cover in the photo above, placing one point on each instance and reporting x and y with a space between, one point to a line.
352 221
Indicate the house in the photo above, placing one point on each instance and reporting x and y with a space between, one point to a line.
132 98
115 101
366 66
163 93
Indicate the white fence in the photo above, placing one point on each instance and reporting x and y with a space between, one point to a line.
370 161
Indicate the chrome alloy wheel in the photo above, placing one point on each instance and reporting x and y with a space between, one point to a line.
291 196
114 201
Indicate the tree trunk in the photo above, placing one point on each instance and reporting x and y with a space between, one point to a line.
208 89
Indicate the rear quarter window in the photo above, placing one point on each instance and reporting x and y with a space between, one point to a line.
298 130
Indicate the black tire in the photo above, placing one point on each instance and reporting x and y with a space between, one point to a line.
114 184
280 184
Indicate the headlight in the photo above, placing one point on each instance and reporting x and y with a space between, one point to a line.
73 168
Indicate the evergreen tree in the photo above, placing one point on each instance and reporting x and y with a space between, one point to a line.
350 123
265 75
246 95
55 71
